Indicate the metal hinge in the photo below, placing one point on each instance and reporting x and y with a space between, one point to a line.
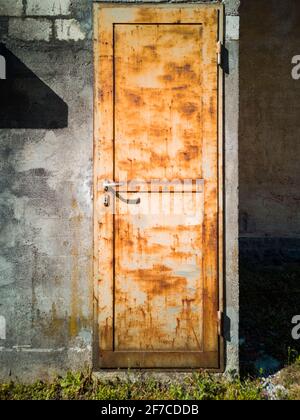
220 323
222 57
219 52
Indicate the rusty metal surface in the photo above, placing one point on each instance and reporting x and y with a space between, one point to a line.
158 288
157 117
156 360
158 101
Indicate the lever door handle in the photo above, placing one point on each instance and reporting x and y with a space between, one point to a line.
126 200
109 186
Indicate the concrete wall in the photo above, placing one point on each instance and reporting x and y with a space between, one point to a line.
231 147
269 131
45 193
46 189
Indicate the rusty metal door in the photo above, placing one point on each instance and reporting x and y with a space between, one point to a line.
157 186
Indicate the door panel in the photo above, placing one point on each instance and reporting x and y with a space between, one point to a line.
158 257
156 137
158 109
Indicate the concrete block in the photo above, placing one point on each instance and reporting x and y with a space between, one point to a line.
30 29
232 7
3 26
48 7
68 30
232 28
11 7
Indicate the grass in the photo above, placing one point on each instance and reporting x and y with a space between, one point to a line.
201 386
290 379
80 386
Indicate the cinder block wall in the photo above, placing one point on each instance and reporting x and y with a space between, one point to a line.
46 287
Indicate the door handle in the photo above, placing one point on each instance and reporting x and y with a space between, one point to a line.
109 187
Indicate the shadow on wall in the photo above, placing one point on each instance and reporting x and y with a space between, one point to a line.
26 101
269 126
269 183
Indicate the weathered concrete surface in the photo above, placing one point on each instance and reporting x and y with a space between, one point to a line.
30 29
46 213
11 8
48 7
231 207
269 131
46 201
68 30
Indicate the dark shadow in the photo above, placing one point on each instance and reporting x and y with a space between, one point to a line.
269 299
3 26
225 59
26 101
269 179
227 328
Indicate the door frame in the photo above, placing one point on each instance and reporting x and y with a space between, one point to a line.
221 180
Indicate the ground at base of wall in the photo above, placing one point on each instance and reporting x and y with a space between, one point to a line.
269 300
80 386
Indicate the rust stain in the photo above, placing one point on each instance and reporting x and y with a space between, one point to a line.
189 108
146 15
184 71
55 325
179 228
167 77
151 52
107 331
76 304
191 152
134 99
159 279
